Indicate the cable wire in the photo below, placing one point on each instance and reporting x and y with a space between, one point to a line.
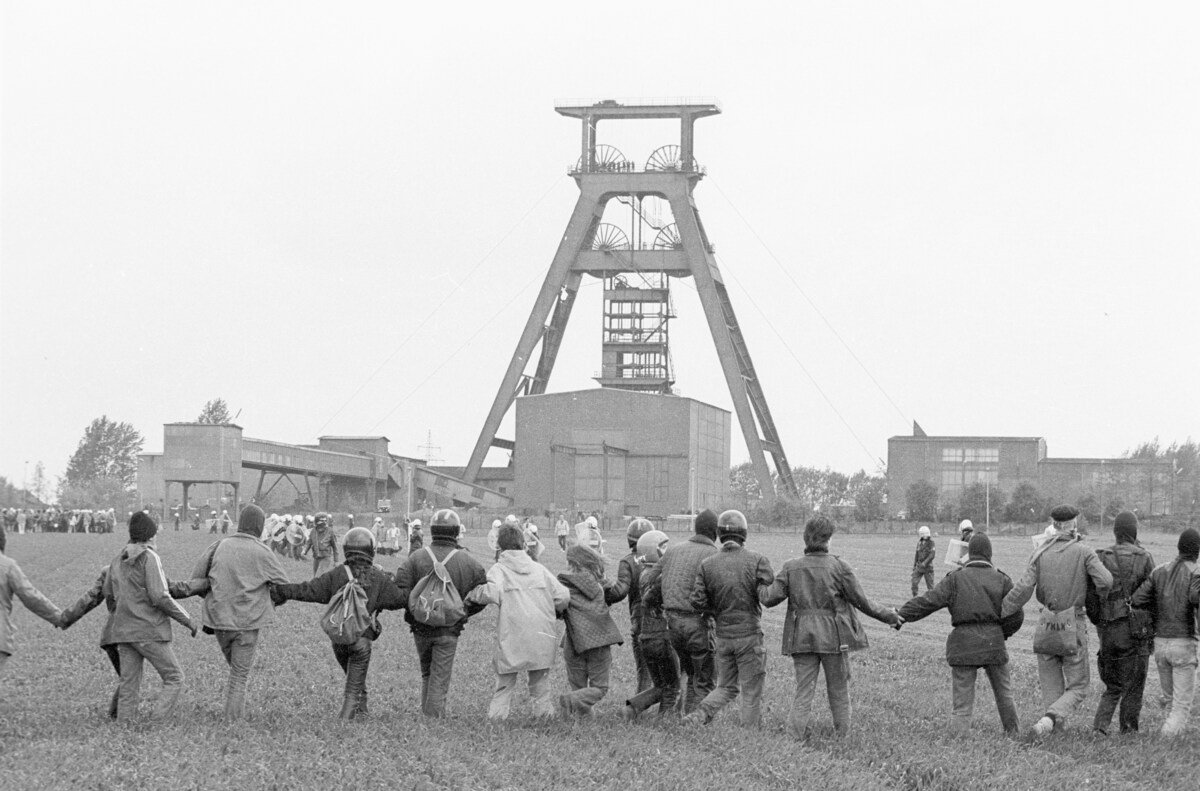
445 299
807 299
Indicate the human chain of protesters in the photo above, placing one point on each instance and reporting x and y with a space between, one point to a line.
695 610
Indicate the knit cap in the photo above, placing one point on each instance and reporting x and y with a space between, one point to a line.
251 520
1125 527
979 548
142 527
1189 544
706 524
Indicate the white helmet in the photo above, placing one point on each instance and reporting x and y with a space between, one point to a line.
591 520
496 523
533 528
965 525
511 519
923 532
416 523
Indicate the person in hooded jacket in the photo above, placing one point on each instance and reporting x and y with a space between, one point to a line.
923 560
528 595
1172 594
238 572
382 594
1125 642
93 598
139 598
974 594
14 582
591 632
437 645
820 628
628 585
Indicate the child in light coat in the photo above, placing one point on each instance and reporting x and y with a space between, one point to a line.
528 597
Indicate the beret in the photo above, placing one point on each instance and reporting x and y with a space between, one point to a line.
1064 513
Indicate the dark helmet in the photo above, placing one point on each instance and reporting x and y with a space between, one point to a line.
359 539
638 528
446 517
732 523
651 545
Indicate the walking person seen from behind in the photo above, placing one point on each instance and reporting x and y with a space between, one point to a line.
1059 574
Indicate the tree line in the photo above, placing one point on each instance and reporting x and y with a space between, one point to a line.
860 496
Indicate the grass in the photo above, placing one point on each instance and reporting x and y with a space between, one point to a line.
54 733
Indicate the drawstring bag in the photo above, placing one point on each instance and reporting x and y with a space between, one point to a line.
1057 633
347 619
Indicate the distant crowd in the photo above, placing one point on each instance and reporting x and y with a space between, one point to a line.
695 610
59 520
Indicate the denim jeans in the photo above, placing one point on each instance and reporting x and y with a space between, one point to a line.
837 684
587 676
238 648
1176 660
692 638
162 658
355 660
1064 680
664 672
436 651
1123 664
963 696
539 694
741 664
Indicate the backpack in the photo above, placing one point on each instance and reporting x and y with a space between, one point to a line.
434 600
347 619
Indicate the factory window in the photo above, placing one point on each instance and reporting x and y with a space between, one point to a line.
952 479
982 455
952 455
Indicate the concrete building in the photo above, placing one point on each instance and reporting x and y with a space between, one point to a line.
214 467
951 463
620 452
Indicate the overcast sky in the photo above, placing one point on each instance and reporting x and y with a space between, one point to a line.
337 216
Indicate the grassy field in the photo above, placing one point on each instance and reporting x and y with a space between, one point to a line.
54 733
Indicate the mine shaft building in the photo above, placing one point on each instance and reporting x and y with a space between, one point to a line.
620 453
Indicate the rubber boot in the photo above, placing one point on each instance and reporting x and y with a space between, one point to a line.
355 692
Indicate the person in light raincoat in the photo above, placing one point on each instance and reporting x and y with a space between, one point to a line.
528 596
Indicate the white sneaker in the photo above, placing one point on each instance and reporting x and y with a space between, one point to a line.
1043 727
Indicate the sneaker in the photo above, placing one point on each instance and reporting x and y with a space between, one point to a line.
1043 727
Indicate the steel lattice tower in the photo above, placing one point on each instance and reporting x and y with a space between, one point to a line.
590 247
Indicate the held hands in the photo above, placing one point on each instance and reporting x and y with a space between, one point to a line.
194 626
897 621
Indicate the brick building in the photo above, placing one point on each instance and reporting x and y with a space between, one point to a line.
951 463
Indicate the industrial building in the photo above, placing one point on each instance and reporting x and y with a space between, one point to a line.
620 453
951 463
215 466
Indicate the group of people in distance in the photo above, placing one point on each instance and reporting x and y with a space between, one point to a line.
58 520
695 612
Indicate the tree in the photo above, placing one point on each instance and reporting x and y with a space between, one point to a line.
108 450
744 487
922 499
102 492
973 501
867 491
1026 505
215 412
39 487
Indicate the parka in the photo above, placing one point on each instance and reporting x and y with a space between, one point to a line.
822 594
528 596
239 571
95 595
973 594
1059 575
589 624
139 597
1172 593
14 582
728 585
